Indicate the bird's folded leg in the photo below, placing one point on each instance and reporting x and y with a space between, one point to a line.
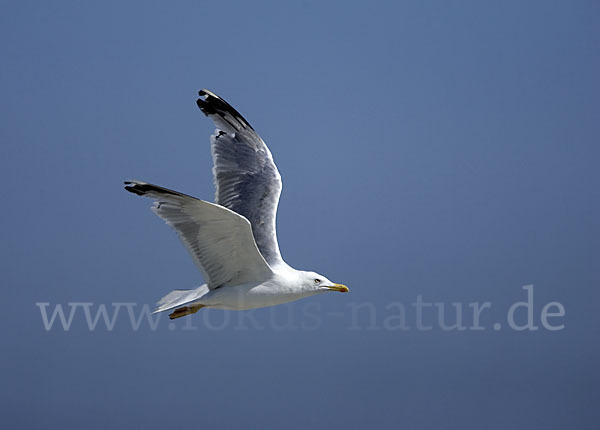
186 310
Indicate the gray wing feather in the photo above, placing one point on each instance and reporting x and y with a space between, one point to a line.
246 178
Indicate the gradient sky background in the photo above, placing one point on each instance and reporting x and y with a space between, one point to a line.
448 149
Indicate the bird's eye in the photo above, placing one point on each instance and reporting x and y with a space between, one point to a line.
317 281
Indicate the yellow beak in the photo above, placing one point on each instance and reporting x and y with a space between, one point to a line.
339 287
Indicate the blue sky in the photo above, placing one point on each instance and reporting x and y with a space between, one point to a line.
447 150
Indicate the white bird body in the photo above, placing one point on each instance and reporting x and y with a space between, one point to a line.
281 287
233 241
275 291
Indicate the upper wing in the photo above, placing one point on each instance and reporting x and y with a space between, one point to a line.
219 240
246 178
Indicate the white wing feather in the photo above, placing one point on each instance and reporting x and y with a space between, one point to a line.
219 240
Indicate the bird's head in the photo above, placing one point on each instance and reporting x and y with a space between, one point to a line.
318 283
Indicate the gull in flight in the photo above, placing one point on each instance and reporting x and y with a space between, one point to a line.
232 241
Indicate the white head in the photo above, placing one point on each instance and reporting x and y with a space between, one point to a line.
312 281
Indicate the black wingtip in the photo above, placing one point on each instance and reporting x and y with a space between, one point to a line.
135 188
211 104
143 188
204 92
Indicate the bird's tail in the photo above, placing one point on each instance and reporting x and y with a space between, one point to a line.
178 298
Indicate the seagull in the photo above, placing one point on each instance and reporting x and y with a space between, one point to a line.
234 240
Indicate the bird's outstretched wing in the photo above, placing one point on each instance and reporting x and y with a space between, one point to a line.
246 178
219 240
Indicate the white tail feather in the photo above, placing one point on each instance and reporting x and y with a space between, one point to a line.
178 298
